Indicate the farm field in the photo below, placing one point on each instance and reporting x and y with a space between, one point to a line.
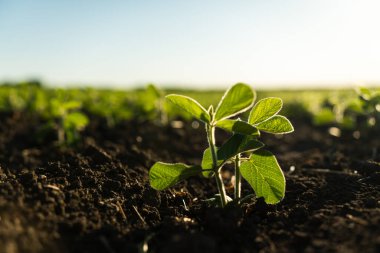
74 174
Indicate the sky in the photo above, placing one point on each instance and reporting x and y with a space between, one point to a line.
198 43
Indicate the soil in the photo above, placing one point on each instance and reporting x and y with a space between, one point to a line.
96 197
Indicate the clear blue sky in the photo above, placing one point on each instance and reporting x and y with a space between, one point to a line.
200 42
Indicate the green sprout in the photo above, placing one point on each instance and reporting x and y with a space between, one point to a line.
366 108
257 166
152 104
66 118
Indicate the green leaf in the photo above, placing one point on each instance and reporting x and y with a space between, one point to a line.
354 105
75 120
207 163
164 175
324 117
277 125
265 176
71 105
237 99
264 109
153 91
237 126
191 106
238 143
365 93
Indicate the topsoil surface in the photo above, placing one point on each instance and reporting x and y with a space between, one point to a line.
96 197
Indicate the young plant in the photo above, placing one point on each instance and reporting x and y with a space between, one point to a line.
66 118
367 110
258 167
153 104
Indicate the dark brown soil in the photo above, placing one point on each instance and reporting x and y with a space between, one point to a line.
96 197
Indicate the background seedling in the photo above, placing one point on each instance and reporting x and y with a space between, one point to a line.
366 109
151 105
259 167
67 119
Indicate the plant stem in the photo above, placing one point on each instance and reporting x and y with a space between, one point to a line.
218 177
237 178
211 142
61 132
222 191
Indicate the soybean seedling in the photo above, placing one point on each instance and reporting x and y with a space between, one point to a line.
68 120
368 108
152 103
259 167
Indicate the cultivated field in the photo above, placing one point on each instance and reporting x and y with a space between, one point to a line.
74 174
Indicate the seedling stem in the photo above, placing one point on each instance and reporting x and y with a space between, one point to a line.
210 129
237 178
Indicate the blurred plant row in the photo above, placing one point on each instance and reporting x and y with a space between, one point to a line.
359 113
68 111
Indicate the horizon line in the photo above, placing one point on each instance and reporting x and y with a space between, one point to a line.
287 85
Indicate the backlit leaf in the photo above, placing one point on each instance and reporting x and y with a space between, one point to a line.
237 126
164 175
191 106
277 125
75 120
238 143
207 163
264 109
237 99
265 176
